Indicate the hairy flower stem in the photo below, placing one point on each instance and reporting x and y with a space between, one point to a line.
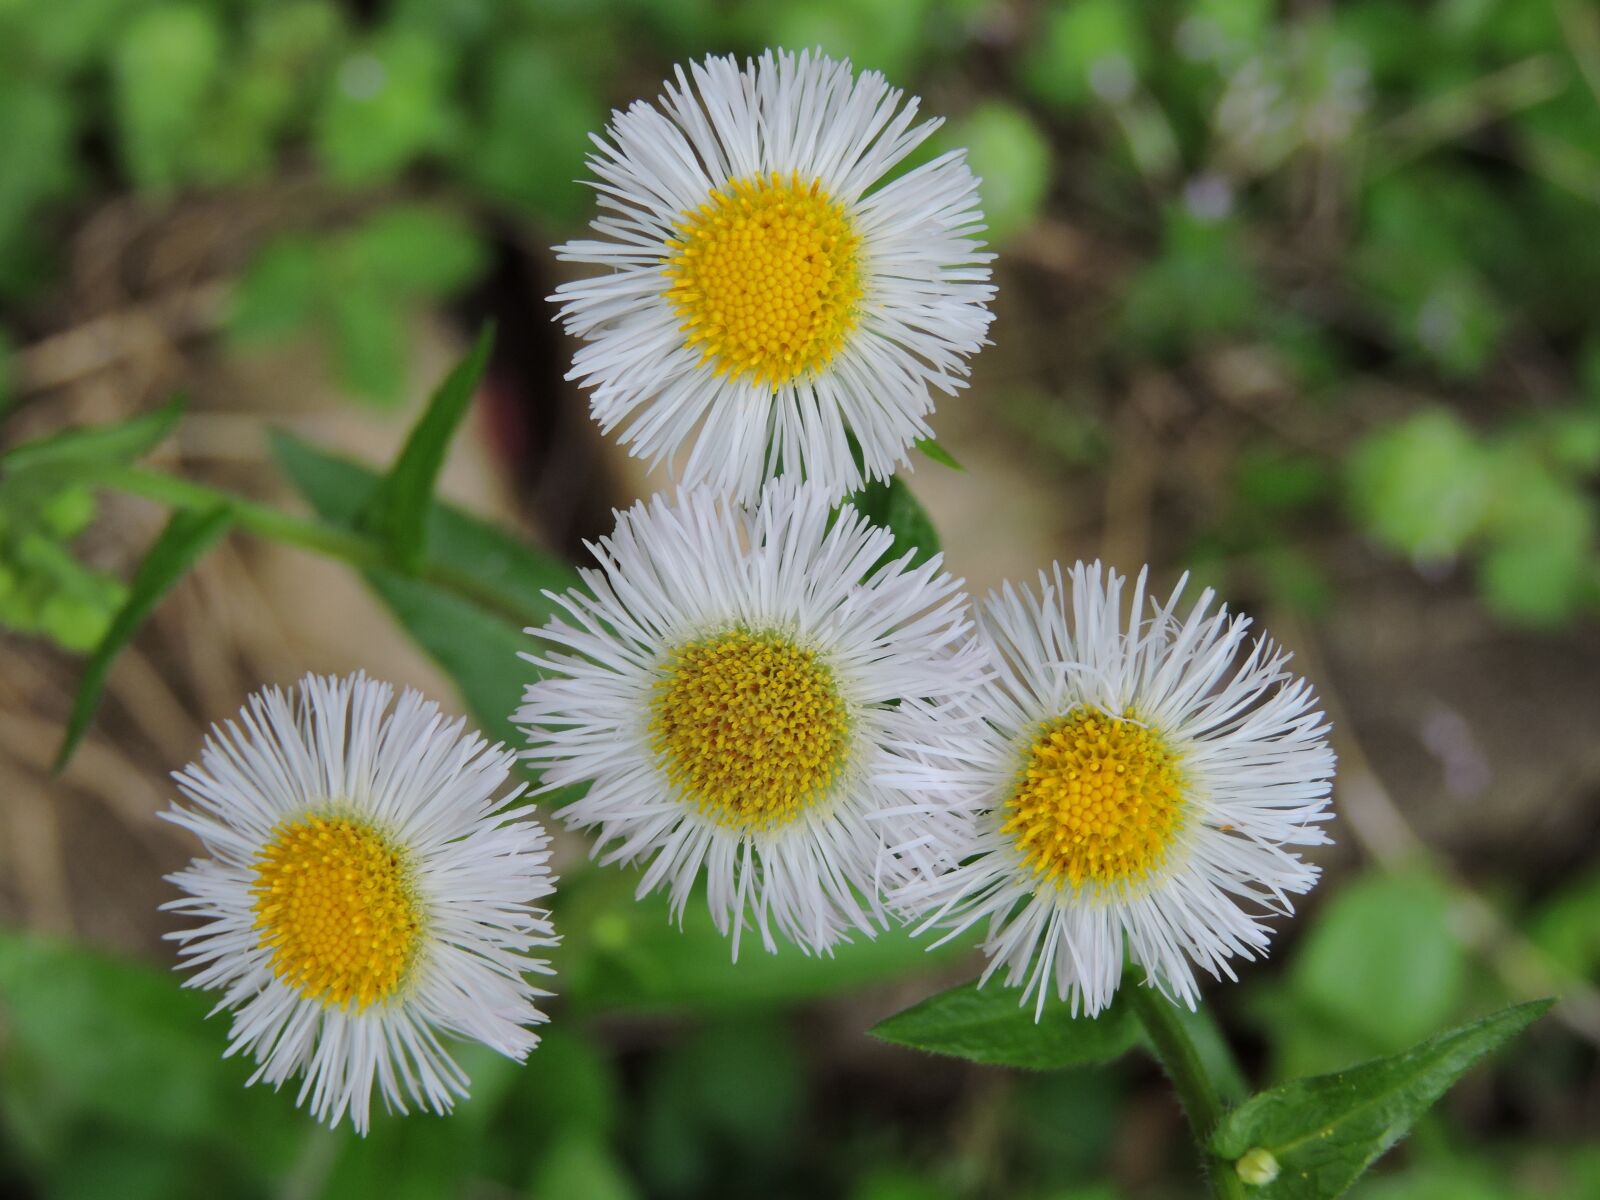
1176 1052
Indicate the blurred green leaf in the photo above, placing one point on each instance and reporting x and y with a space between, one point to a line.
1564 927
1462 1180
1011 159
7 368
124 1044
1087 47
580 1166
370 346
386 106
990 1025
164 67
722 1105
187 536
1540 526
397 510
280 291
876 35
75 447
411 250
37 127
1325 1131
1421 486
1201 288
529 145
626 954
63 35
1382 960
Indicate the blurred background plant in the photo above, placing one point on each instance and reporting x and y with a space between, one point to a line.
1300 297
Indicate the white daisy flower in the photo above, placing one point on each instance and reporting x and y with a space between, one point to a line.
1141 783
763 299
365 893
746 693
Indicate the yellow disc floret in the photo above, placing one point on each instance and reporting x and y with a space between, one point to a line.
749 727
335 905
766 278
1099 801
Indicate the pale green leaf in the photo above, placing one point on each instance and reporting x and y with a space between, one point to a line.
934 450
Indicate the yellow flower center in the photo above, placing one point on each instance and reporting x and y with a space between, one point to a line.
335 905
1099 802
766 278
749 727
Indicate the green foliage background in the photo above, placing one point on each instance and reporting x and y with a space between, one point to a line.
1438 322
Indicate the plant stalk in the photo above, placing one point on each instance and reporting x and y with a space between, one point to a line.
319 537
1201 1104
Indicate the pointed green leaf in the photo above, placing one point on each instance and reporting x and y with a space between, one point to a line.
188 535
477 647
500 562
989 1025
399 507
939 454
1310 1139
98 443
892 506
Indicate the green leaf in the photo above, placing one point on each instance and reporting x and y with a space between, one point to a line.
499 561
397 512
164 65
1320 1134
579 1165
100 443
1423 486
413 250
477 646
632 955
370 349
388 103
989 1025
1345 968
1086 46
1564 926
1011 159
188 535
477 649
279 292
88 1035
934 450
539 106
892 506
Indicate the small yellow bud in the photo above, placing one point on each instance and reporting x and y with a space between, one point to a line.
1257 1167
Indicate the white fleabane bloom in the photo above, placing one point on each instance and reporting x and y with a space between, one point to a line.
364 893
1144 780
763 293
746 694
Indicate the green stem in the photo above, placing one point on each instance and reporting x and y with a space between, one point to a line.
1176 1051
330 541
